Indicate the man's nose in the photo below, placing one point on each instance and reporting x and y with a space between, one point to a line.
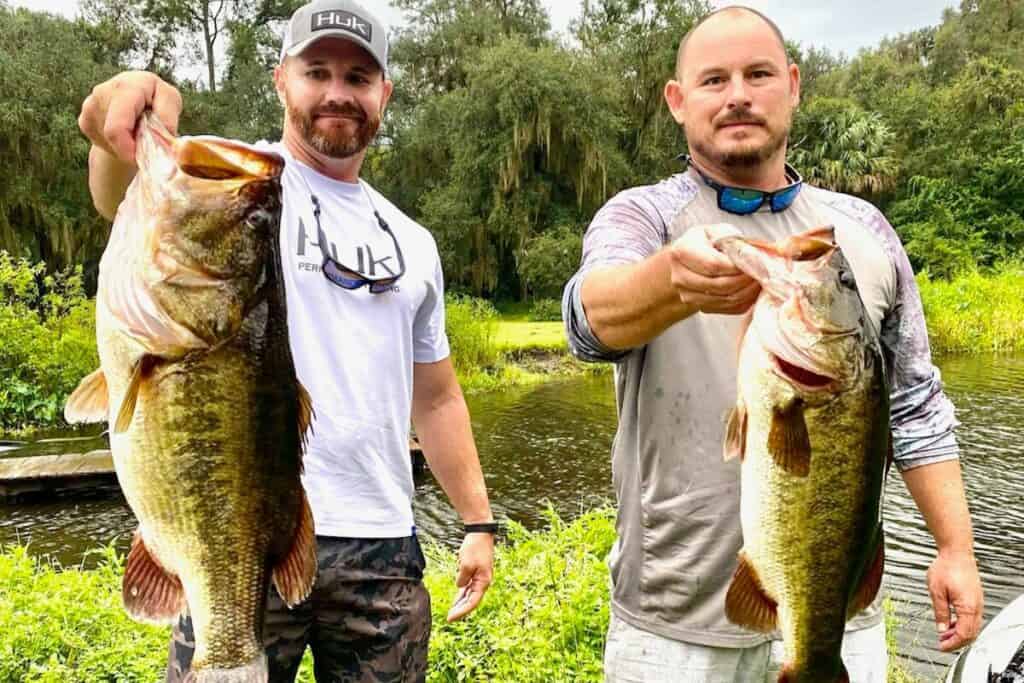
739 92
338 91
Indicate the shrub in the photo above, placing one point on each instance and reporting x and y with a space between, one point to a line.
47 341
546 310
471 324
549 260
976 312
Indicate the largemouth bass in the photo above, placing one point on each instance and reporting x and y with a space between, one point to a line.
197 381
811 425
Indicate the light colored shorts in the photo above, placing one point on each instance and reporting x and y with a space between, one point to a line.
635 656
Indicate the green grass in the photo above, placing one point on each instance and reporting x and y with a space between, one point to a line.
976 312
520 335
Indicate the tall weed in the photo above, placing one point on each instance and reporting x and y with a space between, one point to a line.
976 312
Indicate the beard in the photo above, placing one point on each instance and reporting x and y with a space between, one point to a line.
336 143
748 155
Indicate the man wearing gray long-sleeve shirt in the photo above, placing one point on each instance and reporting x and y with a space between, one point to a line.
653 296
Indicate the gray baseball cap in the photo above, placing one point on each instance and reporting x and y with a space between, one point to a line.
340 19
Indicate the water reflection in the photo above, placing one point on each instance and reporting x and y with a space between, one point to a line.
550 445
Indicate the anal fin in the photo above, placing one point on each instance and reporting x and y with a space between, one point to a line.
788 441
295 573
89 401
746 603
149 592
736 433
870 581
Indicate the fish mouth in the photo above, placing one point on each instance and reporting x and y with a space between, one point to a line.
225 160
801 377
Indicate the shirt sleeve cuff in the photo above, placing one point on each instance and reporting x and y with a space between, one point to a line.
583 343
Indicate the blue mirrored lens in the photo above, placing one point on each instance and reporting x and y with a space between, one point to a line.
782 200
741 201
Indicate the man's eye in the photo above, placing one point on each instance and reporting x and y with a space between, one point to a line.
760 73
713 80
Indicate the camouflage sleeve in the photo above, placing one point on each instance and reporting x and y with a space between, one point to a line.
923 418
626 230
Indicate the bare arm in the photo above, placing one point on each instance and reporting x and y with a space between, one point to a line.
629 305
953 580
441 419
108 118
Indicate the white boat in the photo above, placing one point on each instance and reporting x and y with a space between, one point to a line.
998 654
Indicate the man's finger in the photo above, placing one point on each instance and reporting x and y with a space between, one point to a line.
167 106
940 605
119 127
466 601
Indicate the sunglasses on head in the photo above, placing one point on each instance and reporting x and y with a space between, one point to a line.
350 278
744 201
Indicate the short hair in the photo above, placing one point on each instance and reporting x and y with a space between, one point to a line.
731 8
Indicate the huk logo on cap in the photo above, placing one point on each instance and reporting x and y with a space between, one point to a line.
346 21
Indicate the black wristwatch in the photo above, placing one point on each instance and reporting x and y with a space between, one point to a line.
481 528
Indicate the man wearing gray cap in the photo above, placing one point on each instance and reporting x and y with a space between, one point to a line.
365 303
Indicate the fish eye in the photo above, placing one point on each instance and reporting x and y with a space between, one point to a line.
847 280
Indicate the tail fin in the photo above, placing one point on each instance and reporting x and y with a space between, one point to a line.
790 674
253 672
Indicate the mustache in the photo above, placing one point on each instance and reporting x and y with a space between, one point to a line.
740 116
347 109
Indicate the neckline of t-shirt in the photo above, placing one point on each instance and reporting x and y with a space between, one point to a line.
312 176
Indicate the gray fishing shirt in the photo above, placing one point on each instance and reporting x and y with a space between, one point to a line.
678 521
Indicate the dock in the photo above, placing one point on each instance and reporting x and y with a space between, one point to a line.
80 474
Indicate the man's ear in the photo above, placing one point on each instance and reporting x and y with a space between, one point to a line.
794 84
676 100
389 87
279 77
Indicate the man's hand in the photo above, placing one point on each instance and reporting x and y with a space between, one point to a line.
955 589
704 278
476 569
110 113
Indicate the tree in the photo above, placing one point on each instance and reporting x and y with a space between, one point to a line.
45 209
839 146
529 140
637 41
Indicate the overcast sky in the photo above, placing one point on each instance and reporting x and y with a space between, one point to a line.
839 25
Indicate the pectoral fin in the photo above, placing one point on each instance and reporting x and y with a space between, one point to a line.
150 593
746 603
870 582
788 442
89 401
736 432
295 573
139 372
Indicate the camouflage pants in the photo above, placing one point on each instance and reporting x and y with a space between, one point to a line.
367 619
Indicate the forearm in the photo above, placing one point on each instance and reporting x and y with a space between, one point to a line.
108 181
628 306
446 437
938 490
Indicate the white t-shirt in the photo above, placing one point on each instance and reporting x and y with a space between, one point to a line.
354 350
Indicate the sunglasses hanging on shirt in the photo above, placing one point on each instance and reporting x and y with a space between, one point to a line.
350 278
744 201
